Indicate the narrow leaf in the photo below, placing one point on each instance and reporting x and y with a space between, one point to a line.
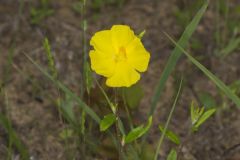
133 95
210 75
232 45
88 77
204 117
141 34
196 113
138 132
107 122
175 55
168 121
61 86
193 116
134 134
13 137
67 107
172 155
170 135
207 100
83 121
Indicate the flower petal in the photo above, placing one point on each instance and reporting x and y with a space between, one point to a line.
121 35
137 55
102 63
124 76
102 42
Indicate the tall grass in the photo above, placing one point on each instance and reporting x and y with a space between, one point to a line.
167 123
175 55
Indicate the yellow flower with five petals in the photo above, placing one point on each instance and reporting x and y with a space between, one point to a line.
118 55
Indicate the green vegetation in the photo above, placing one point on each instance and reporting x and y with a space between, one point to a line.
38 14
97 120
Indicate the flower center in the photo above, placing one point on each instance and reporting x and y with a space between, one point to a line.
121 55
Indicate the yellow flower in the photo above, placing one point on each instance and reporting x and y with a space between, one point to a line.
118 55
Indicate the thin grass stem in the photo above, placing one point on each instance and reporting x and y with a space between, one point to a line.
167 123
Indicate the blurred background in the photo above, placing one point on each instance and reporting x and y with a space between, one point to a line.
28 99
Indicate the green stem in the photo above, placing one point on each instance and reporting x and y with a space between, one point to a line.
84 44
113 108
10 142
84 73
127 111
119 123
167 123
120 147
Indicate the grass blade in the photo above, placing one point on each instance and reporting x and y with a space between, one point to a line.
138 132
172 155
232 45
167 123
183 41
210 75
107 121
205 116
170 135
83 105
5 122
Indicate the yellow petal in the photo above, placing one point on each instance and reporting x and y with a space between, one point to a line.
102 63
124 76
102 42
137 55
121 36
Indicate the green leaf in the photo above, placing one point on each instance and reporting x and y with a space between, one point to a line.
83 121
209 74
113 108
107 122
235 87
207 100
175 55
138 132
88 77
134 134
13 137
121 127
82 105
62 87
170 135
67 107
204 117
172 155
133 95
168 121
196 113
141 34
194 116
232 45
